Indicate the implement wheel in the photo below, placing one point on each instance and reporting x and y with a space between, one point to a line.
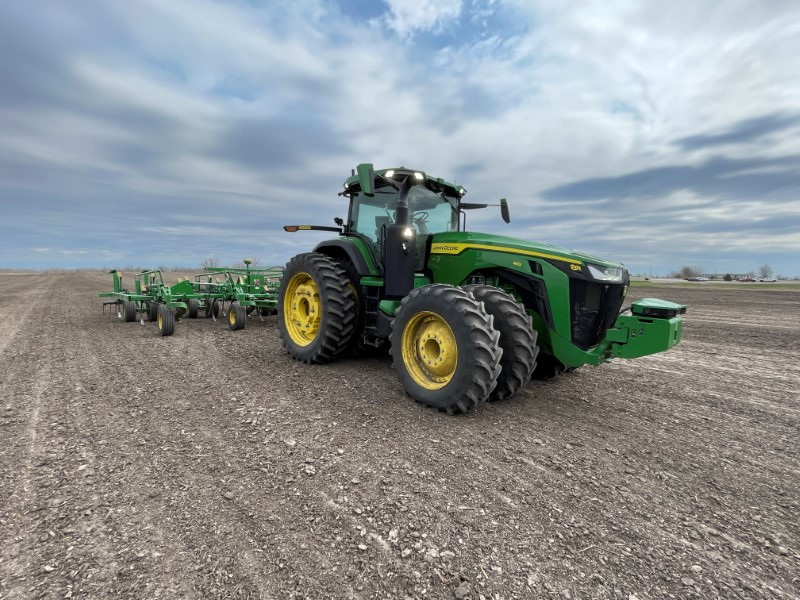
211 307
316 309
193 306
152 311
445 349
517 338
237 316
165 320
129 311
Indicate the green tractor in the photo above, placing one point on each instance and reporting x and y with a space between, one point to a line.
467 316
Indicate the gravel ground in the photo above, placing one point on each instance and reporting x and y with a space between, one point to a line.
211 465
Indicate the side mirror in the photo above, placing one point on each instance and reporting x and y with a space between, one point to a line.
366 178
504 210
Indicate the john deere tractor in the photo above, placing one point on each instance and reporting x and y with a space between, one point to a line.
467 316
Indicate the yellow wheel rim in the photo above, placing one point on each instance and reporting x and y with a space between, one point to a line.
160 321
430 351
302 310
231 316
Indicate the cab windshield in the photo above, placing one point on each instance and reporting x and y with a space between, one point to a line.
430 212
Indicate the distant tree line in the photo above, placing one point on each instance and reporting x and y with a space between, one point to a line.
686 271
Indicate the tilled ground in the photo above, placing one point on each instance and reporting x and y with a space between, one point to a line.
211 465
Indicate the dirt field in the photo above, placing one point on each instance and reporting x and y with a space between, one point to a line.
210 465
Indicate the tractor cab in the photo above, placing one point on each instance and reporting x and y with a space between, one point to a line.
431 208
409 204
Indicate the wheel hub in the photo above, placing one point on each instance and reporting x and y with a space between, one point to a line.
430 350
302 309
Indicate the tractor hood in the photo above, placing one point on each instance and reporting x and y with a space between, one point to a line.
456 242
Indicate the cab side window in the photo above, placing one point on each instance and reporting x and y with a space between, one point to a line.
370 213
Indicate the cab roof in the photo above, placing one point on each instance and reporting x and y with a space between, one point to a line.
435 183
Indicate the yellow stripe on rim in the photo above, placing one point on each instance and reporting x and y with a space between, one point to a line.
459 248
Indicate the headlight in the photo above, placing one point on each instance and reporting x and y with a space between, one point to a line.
606 273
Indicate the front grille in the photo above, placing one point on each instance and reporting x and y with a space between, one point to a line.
594 306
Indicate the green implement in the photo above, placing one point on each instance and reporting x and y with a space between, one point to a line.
234 292
152 298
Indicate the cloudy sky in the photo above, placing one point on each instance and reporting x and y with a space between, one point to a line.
164 132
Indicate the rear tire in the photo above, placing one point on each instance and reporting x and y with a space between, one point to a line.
316 309
193 307
237 316
357 347
129 311
517 338
165 321
445 349
152 311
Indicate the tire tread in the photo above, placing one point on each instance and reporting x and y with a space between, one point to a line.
338 320
517 338
484 341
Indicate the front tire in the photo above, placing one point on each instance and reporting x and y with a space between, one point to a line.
316 309
445 349
517 338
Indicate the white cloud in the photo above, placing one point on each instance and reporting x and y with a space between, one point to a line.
555 94
407 17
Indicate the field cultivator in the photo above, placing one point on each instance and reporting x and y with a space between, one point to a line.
233 292
243 290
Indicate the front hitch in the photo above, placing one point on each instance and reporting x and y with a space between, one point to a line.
649 326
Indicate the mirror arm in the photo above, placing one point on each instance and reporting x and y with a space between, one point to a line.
462 206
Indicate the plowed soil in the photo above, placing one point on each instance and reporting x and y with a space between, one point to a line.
211 465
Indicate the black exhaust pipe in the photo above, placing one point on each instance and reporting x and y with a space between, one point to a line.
399 248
